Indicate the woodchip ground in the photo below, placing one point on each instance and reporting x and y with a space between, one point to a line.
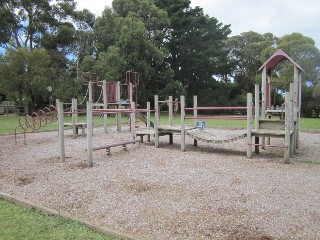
207 192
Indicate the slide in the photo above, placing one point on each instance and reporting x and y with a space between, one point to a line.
143 118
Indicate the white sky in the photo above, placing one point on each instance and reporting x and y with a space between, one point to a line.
279 17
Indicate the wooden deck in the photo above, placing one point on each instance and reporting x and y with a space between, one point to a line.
269 133
173 129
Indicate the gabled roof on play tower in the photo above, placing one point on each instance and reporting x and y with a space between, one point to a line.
276 58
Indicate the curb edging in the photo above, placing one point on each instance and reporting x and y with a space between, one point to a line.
47 211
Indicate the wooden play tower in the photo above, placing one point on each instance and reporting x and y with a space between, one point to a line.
288 126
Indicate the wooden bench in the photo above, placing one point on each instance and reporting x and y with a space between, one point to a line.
109 146
145 132
76 127
151 132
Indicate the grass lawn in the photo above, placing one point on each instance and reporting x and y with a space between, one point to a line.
17 223
9 124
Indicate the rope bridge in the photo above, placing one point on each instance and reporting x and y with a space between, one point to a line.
205 136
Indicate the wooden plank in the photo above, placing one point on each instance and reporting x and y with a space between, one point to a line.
174 129
271 124
115 145
76 124
269 133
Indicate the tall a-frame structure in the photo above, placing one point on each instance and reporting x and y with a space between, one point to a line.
295 89
265 127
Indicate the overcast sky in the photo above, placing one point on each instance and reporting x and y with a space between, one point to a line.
279 17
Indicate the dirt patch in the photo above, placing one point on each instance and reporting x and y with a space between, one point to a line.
22 181
80 165
139 187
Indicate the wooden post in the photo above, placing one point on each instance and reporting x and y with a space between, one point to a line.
287 124
74 109
257 114
130 93
297 105
61 131
89 134
148 119
148 116
263 91
170 110
105 106
195 115
195 111
156 119
293 121
133 120
90 91
249 125
182 140
263 100
119 107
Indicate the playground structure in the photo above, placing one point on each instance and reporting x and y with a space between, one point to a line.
195 132
90 112
172 106
265 127
283 128
287 127
258 113
115 95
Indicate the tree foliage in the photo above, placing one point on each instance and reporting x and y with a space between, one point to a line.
303 50
37 29
177 49
25 75
130 37
249 50
196 45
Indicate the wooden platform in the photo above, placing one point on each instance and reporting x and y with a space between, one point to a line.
173 129
269 133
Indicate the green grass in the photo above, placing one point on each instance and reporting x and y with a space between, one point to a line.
18 223
310 123
9 124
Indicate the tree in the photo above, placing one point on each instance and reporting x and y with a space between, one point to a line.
303 50
111 64
29 20
7 21
52 25
25 75
134 41
84 38
249 50
196 45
